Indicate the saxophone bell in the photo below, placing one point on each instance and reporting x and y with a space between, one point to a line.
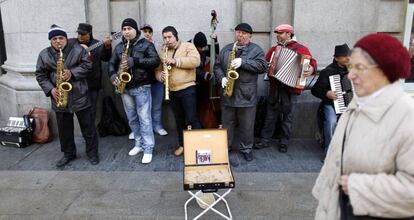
124 78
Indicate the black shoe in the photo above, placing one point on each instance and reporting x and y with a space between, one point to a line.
260 145
65 160
94 160
283 148
248 156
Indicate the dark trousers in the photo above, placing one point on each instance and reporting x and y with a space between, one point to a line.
184 106
245 117
272 115
93 96
66 133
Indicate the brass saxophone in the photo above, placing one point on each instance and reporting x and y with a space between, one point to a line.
165 69
123 75
63 87
231 75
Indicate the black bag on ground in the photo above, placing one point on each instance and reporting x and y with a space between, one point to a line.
111 122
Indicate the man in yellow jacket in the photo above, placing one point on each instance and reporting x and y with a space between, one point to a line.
183 58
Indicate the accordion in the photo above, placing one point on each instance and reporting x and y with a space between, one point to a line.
343 90
17 132
287 66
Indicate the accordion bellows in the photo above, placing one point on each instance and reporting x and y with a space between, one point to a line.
287 66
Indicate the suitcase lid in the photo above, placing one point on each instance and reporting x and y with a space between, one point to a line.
205 146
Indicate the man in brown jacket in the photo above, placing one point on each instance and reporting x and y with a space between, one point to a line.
183 58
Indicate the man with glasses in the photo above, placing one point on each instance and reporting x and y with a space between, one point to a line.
322 89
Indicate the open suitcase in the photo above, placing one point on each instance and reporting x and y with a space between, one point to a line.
206 166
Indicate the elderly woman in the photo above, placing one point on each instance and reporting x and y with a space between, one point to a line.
369 169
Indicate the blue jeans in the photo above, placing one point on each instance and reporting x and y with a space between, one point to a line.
329 124
137 104
157 93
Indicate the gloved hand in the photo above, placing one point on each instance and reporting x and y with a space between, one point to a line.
236 63
224 82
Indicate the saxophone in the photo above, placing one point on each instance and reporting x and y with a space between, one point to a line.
123 76
165 69
63 87
231 75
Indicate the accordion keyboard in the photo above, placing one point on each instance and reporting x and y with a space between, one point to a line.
339 103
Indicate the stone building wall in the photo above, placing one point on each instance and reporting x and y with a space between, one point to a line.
319 24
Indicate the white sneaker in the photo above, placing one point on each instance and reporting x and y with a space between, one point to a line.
134 151
162 132
131 136
147 158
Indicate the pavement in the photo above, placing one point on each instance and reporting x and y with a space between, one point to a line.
273 186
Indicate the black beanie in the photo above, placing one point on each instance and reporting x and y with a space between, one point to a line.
132 23
200 40
244 27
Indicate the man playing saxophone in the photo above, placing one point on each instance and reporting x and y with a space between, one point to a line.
183 58
68 63
137 57
248 60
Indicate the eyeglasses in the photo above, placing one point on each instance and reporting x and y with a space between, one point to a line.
360 68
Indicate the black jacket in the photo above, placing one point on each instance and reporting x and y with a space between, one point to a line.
143 59
245 87
77 61
322 85
97 55
200 71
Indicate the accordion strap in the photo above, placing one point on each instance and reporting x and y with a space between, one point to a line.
296 47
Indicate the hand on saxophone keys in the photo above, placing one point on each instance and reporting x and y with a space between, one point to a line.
66 75
55 93
236 63
224 81
171 61
124 64
162 77
116 82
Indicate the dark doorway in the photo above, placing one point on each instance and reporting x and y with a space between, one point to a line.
3 55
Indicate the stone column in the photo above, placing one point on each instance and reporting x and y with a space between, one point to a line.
26 23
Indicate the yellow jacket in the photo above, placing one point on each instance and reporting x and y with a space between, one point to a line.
183 74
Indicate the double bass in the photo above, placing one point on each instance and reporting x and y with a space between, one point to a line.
209 98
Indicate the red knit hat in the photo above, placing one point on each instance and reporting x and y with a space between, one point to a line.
391 56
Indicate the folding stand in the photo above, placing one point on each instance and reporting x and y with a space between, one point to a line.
219 198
